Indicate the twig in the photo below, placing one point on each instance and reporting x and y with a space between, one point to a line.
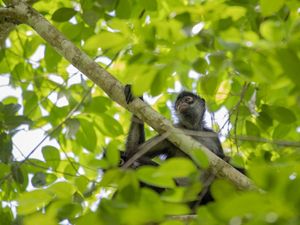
237 108
265 140
144 148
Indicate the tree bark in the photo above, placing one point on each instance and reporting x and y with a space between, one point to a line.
115 90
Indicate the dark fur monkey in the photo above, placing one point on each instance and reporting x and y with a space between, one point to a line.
189 109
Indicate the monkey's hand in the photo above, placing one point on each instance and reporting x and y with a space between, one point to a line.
128 94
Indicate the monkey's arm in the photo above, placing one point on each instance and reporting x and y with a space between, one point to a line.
136 134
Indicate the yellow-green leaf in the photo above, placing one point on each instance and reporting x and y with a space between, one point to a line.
30 202
62 189
104 40
269 7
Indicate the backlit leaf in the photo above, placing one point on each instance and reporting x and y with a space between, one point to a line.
86 135
29 202
268 9
51 156
151 175
184 167
62 190
123 10
105 40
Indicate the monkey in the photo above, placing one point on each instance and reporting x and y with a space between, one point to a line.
189 109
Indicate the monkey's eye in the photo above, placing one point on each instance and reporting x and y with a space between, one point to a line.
189 99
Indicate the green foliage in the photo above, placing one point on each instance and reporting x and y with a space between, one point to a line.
241 56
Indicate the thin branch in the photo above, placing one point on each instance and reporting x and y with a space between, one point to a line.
144 148
244 138
265 140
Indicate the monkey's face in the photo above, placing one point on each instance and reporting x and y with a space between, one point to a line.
183 104
190 109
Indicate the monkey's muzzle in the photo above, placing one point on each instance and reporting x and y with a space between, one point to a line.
182 107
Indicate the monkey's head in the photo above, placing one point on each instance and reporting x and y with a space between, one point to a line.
190 109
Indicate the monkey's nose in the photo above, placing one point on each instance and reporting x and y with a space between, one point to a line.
183 107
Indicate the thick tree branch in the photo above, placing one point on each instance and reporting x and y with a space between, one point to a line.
115 91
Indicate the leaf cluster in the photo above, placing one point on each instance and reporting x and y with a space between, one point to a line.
241 56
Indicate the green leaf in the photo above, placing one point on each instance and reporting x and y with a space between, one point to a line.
283 115
113 154
89 218
272 30
63 14
31 107
17 174
86 135
223 92
268 9
69 211
184 167
235 12
143 78
105 40
176 209
200 65
81 183
184 18
51 156
52 58
200 158
109 126
72 126
281 131
222 189
12 122
124 8
72 31
264 119
252 129
71 170
182 194
152 175
150 5
29 202
91 16
4 169
290 63
111 177
5 148
62 190
6 216
242 67
209 84
11 109
98 105
39 179
40 218
10 100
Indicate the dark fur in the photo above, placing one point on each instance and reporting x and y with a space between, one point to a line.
190 118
